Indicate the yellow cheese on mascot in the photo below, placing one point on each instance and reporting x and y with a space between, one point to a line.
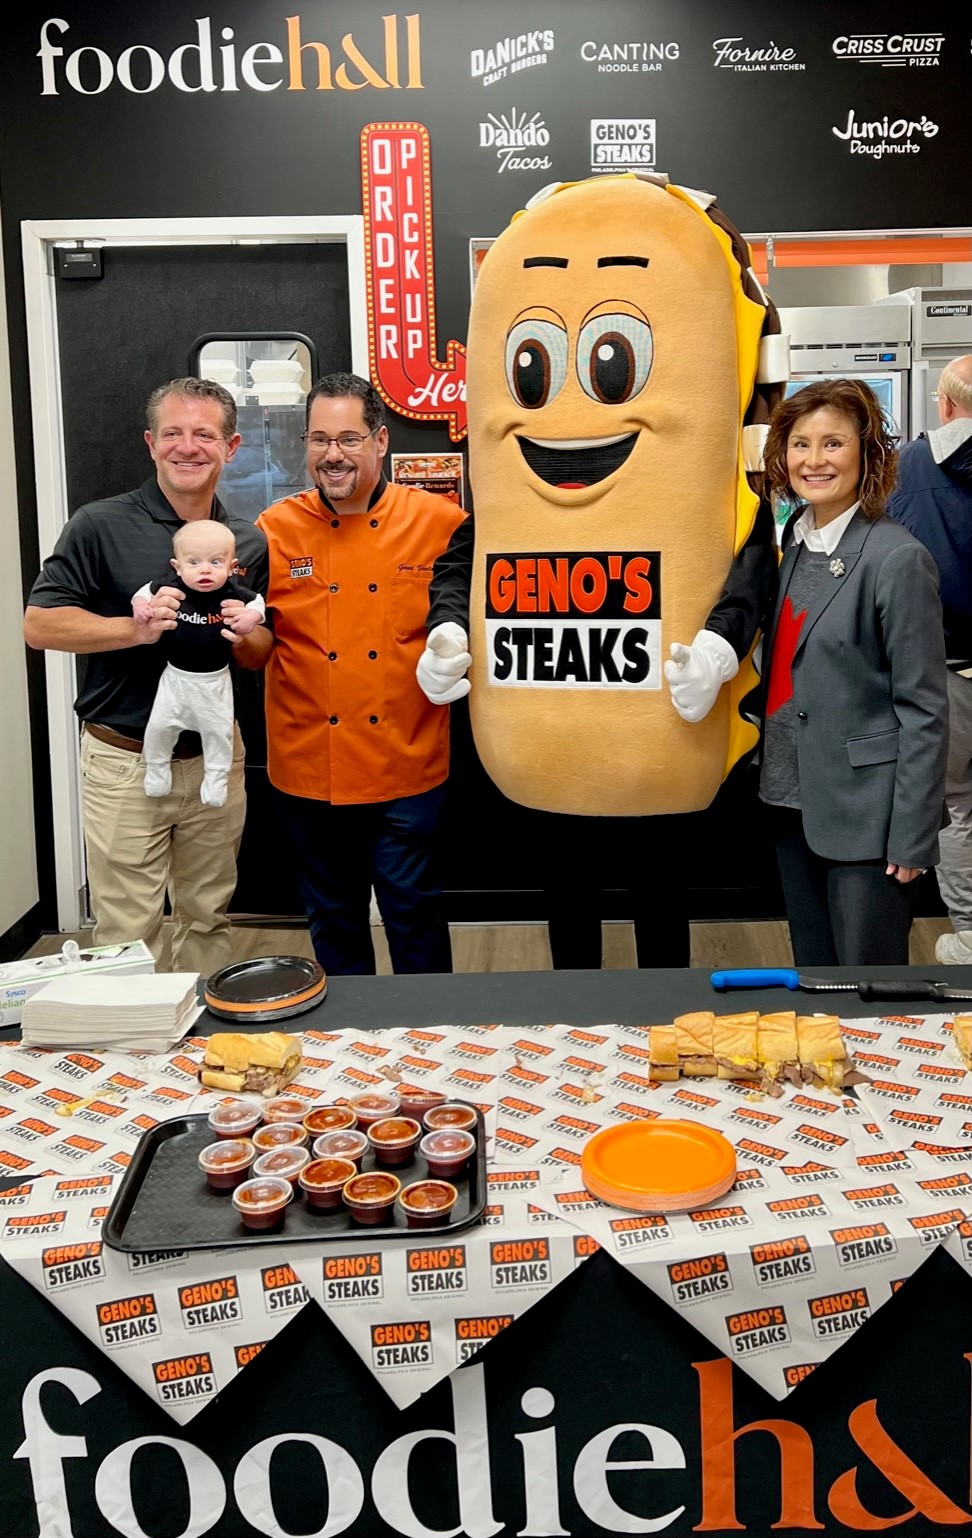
612 359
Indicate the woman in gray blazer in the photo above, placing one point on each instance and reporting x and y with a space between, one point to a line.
855 718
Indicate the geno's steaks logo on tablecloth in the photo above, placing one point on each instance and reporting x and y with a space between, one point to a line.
575 620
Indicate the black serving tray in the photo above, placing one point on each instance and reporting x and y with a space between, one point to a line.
164 1201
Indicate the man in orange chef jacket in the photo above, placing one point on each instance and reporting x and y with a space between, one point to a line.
357 753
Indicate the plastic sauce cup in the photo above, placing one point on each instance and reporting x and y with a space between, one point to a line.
428 1202
279 1134
371 1198
415 1101
234 1118
452 1114
328 1118
285 1162
447 1151
323 1182
342 1145
373 1107
394 1138
227 1162
261 1203
284 1108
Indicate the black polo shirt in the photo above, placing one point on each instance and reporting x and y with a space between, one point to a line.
106 552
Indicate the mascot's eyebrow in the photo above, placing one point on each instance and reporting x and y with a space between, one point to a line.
545 261
622 261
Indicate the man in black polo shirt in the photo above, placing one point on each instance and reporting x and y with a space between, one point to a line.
137 845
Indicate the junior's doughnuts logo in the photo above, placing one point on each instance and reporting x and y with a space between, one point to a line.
34 1223
838 1313
283 1291
353 1278
863 1243
474 1333
520 1263
408 1344
439 1271
631 1235
184 1379
72 1265
574 620
129 1321
758 1329
205 1305
693 1281
780 1261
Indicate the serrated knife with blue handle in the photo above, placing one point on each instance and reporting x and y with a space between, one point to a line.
878 990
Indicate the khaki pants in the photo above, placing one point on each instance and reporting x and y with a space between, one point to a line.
139 846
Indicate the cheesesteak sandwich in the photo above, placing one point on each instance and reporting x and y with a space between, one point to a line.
262 1063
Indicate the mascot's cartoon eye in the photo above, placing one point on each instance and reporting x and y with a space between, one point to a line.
614 354
536 361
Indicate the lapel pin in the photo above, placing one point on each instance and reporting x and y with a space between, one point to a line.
837 567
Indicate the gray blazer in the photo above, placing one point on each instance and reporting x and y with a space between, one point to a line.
870 700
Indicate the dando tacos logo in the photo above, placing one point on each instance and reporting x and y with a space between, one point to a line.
694 1281
756 1330
182 1379
205 1305
863 1244
474 1333
128 1321
354 1278
574 620
438 1270
780 1261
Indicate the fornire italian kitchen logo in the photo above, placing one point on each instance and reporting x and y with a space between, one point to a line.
574 620
227 65
510 55
518 140
892 50
882 136
623 144
629 58
744 58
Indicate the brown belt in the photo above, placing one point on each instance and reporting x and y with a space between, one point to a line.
131 744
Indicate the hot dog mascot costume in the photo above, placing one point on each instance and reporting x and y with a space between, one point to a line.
622 362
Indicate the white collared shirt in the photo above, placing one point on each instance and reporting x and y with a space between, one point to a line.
825 540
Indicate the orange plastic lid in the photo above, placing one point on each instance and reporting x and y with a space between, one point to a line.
658 1166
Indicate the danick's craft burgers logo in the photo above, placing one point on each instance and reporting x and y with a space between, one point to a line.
629 1235
758 1329
283 1291
883 136
892 50
781 1260
184 1378
838 1313
67 1265
628 58
693 1281
517 1263
437 1270
473 1334
745 58
227 64
207 1304
353 1278
574 620
510 55
408 1344
863 1243
623 144
519 142
128 1321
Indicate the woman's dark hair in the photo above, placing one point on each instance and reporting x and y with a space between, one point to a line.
854 399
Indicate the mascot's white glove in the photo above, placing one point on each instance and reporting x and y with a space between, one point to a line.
442 667
696 673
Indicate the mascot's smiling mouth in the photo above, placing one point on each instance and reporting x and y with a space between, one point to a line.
571 463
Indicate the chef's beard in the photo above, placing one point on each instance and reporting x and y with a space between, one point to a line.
341 492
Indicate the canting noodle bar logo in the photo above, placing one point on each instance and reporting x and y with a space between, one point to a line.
227 65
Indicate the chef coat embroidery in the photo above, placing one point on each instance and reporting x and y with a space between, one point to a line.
302 566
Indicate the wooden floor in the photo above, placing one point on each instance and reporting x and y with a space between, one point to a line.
524 948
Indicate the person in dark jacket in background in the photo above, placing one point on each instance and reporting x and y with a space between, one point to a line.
933 500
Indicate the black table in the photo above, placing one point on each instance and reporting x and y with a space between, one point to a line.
600 1411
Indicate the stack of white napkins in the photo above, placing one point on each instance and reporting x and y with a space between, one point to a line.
147 1013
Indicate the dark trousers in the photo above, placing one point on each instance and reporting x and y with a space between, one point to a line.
582 856
841 913
340 852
